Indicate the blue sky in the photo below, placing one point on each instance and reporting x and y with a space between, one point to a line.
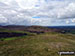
37 12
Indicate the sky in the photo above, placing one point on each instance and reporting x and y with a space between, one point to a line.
37 12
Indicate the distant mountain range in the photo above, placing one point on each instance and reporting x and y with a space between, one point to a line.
60 27
33 29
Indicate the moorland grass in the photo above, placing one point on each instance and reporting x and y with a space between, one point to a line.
47 44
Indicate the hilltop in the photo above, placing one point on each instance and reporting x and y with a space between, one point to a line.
36 41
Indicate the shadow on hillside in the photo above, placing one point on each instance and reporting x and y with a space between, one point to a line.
8 35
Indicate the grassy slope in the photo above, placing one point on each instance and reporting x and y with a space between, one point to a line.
47 44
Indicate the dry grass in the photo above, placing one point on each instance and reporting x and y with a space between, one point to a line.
38 45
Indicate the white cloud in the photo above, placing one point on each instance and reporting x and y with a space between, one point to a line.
67 11
16 13
73 20
30 4
67 22
2 19
10 12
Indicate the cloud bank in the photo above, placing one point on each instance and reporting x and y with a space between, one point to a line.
39 12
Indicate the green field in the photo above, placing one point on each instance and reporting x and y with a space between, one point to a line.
46 44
